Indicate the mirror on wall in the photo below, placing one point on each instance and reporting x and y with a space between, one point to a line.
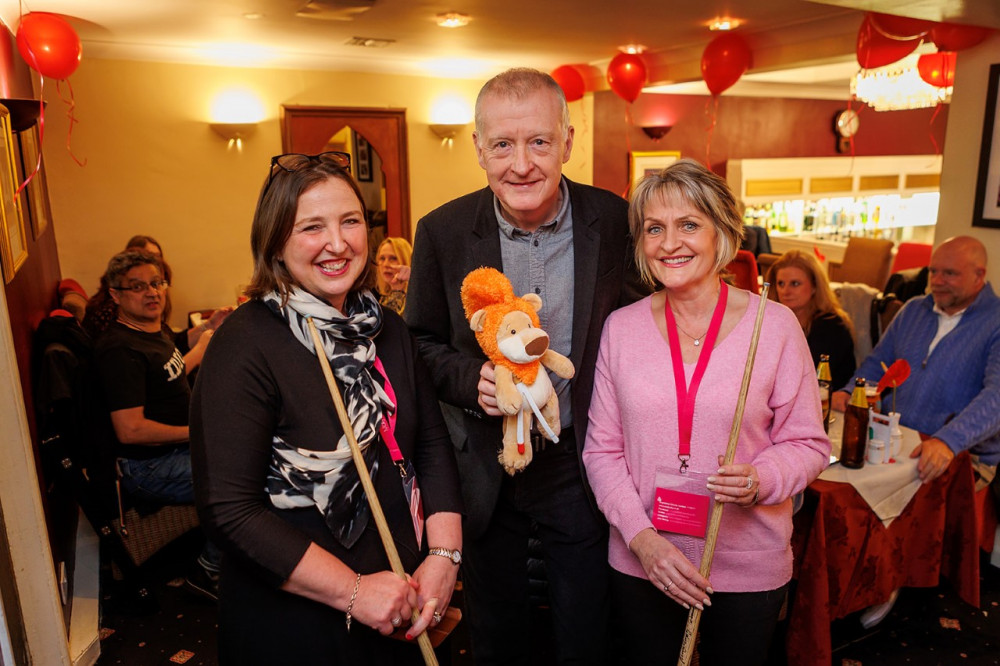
366 165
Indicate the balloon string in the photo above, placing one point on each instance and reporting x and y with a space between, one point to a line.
628 145
930 128
41 135
712 111
71 106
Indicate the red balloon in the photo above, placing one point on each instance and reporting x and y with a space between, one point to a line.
900 27
954 37
49 44
724 61
571 82
627 76
938 69
876 50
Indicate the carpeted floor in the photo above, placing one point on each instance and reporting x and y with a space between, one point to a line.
926 627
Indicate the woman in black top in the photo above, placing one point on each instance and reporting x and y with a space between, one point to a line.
274 479
800 283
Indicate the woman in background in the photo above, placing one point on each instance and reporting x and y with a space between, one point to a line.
305 579
799 282
665 390
393 272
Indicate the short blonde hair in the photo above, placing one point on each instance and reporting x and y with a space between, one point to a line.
403 251
704 190
518 83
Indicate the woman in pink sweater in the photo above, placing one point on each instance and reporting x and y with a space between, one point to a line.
668 377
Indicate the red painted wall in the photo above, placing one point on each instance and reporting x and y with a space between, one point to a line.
749 127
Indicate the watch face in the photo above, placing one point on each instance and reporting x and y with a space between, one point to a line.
846 123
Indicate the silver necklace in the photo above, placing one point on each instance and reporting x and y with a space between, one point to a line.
696 341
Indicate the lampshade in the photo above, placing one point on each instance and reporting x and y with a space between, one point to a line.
447 130
657 132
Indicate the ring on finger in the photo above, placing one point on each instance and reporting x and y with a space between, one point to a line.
670 584
437 617
396 621
749 482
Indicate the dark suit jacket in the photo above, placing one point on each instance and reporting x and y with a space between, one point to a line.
463 235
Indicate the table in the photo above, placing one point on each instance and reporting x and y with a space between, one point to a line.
846 560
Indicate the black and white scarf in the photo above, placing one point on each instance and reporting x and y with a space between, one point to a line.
329 480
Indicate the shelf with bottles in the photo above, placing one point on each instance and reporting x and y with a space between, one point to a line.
892 216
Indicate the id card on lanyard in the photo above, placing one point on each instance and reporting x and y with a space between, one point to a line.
681 505
409 477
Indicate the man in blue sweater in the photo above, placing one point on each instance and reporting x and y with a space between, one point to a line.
951 339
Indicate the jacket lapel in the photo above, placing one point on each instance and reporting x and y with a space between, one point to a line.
486 246
586 251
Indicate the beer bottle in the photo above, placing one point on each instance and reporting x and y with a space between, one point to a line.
825 380
852 447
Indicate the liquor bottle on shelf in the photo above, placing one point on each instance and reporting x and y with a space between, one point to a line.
825 380
852 447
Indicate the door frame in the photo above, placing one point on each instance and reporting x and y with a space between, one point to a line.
307 129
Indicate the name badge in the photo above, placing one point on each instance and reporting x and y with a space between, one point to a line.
412 490
681 504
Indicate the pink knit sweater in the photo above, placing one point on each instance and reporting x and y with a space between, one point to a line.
633 431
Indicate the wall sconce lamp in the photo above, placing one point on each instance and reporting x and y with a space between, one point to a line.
447 131
657 132
234 132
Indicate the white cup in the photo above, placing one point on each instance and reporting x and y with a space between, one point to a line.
875 452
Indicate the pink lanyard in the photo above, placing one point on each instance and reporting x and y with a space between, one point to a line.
686 395
388 426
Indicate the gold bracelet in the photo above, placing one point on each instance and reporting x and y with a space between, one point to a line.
354 597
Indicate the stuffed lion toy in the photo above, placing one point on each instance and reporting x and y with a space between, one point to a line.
507 329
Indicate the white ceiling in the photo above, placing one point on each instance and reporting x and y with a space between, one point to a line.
783 34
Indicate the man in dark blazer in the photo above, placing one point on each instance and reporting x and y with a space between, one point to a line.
569 244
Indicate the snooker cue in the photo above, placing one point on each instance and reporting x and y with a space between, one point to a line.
694 615
366 482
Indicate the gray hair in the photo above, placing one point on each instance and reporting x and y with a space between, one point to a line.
704 190
518 83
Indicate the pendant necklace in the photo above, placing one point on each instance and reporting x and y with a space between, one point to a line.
696 341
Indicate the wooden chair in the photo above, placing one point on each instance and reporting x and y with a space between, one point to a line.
744 270
866 261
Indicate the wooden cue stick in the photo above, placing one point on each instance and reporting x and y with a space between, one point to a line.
426 649
694 615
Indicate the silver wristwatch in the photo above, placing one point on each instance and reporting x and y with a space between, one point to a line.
454 555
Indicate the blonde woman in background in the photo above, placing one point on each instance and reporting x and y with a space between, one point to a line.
799 283
393 272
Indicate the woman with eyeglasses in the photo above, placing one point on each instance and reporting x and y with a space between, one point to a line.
305 578
102 309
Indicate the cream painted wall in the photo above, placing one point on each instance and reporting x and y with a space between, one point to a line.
153 166
960 167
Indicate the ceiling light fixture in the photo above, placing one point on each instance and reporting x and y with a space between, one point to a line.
725 23
452 20
634 49
897 87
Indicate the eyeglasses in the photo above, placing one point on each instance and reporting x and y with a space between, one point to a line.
138 286
292 162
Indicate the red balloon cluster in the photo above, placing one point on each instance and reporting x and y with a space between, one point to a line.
627 76
938 69
571 81
49 44
883 38
724 61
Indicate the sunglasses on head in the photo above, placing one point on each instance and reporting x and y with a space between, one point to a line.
292 162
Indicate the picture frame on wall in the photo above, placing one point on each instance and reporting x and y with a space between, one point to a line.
13 241
987 202
37 190
363 155
642 162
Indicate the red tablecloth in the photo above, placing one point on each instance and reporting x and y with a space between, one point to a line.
846 560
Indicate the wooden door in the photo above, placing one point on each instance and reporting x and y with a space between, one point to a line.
306 129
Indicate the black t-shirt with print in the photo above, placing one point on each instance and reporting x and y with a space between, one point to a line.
139 369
